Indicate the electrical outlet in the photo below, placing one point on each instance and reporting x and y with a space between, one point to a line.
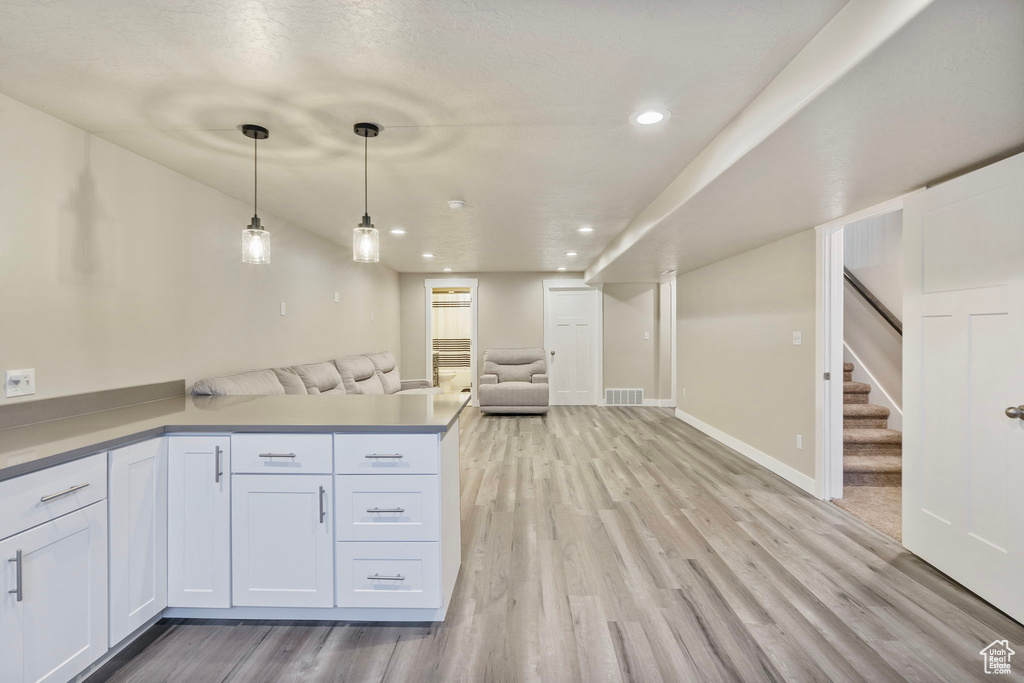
284 309
798 338
337 298
800 441
20 383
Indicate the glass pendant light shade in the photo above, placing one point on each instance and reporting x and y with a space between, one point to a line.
365 242
255 244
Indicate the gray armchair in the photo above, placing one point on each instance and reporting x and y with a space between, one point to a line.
514 381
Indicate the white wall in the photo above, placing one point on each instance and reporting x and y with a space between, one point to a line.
116 271
630 361
873 252
737 363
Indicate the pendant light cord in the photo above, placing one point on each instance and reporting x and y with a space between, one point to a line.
255 176
366 201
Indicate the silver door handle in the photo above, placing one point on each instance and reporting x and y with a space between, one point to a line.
76 487
1015 412
17 581
323 506
277 455
217 472
392 456
398 577
552 353
375 510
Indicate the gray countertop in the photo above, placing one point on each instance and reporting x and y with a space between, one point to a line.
34 447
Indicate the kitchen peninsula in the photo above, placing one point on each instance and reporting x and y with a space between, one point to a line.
254 507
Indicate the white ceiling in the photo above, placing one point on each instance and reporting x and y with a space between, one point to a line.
945 94
518 107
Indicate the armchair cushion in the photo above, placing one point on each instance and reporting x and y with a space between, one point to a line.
515 365
359 375
488 379
513 394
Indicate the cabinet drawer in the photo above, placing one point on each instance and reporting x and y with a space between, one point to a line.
38 497
386 507
389 574
386 453
281 454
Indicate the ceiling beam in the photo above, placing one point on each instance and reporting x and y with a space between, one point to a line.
855 32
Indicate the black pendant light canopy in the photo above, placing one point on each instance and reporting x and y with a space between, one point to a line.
255 240
365 237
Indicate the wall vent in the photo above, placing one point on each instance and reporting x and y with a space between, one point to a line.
624 397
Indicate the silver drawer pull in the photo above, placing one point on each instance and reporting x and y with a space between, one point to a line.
17 581
373 510
65 492
392 456
386 578
277 455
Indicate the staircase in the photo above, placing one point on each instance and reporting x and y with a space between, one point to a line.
871 451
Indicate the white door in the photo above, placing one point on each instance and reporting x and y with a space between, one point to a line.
963 456
572 339
198 521
137 506
282 540
54 623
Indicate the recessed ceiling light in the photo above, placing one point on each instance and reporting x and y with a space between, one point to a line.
456 204
428 256
586 228
650 116
561 268
571 253
447 270
397 231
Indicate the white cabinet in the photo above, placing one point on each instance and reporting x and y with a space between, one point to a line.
137 506
388 507
199 521
389 575
282 540
54 623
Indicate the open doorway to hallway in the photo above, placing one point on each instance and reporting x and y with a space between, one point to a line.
451 343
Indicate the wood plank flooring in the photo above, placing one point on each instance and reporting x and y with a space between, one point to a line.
623 545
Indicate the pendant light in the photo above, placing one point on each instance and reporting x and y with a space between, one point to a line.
365 238
255 240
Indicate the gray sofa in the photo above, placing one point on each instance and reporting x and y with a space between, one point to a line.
514 381
375 373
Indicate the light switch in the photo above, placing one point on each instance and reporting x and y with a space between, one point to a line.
798 338
337 298
283 309
20 383
371 316
647 336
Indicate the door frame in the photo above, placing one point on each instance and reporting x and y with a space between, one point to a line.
428 324
828 353
597 364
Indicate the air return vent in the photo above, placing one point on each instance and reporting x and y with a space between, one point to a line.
624 397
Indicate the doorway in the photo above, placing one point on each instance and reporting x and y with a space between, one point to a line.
573 338
451 333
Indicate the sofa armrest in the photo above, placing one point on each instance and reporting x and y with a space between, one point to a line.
488 379
540 379
415 384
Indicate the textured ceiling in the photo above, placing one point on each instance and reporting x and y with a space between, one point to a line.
945 94
520 108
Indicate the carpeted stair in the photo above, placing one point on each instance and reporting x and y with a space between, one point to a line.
871 451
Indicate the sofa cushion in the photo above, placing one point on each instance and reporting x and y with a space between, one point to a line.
255 383
513 394
421 390
320 376
387 370
515 365
359 376
291 381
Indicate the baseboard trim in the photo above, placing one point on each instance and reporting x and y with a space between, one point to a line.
659 402
788 473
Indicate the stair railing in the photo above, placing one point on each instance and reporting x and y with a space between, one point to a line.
879 307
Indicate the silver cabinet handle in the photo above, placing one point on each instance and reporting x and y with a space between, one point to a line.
323 506
399 577
392 456
1014 412
76 487
17 581
277 455
217 470
373 510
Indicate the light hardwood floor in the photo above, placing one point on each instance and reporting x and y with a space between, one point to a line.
621 544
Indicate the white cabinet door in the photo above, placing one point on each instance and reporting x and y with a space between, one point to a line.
282 540
198 521
137 506
54 624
